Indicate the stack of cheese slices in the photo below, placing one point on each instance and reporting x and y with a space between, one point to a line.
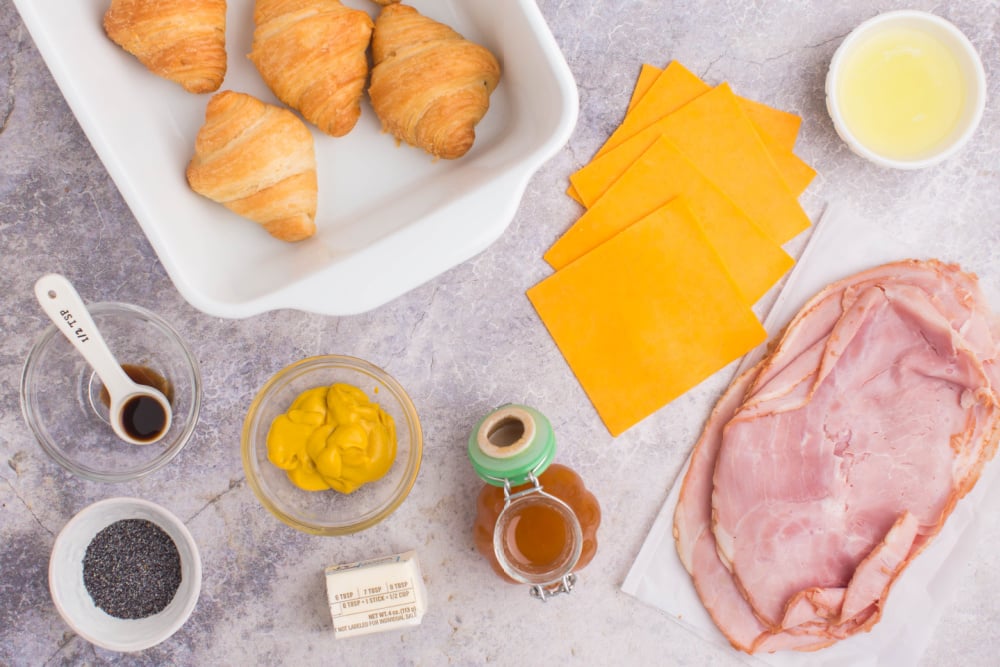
688 205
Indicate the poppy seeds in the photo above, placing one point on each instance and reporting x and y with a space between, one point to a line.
132 569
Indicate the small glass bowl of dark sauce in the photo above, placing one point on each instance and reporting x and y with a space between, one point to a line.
66 405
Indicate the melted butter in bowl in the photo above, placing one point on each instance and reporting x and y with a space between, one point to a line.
906 89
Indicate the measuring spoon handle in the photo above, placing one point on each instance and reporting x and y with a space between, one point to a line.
61 302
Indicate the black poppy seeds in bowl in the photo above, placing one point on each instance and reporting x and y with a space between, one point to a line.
132 569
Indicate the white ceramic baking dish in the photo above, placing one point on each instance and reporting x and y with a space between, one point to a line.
390 217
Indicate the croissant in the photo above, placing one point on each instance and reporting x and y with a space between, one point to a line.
312 55
429 85
258 160
180 40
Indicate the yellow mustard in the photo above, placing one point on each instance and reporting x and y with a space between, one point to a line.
332 438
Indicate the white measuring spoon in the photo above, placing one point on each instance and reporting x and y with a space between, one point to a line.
139 414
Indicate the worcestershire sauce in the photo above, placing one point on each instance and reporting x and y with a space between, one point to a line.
142 417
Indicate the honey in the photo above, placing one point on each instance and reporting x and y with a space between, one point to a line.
536 522
538 533
536 536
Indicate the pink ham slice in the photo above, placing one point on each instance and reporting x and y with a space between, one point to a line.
875 574
825 469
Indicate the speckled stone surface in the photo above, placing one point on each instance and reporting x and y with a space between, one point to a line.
462 343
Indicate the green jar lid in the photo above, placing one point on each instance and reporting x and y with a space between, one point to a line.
511 442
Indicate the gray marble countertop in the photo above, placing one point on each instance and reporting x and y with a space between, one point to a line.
462 343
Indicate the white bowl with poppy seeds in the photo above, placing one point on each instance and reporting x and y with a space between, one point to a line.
125 574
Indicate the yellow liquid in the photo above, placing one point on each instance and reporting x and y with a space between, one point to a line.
902 93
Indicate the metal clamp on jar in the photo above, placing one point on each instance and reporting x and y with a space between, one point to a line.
536 522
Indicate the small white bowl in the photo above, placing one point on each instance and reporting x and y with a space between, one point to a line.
74 602
968 61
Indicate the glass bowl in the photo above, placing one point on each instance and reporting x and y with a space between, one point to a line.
330 512
73 601
61 395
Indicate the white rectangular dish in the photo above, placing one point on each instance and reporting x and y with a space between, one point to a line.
390 217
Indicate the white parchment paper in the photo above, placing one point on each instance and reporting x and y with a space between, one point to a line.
841 244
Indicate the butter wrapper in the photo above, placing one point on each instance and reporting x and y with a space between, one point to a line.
376 595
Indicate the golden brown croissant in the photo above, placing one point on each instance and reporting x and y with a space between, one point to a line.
312 55
258 160
430 86
180 40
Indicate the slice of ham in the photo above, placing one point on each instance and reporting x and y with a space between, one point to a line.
873 576
826 468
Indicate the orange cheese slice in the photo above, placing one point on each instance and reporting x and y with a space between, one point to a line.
646 316
713 133
676 86
658 93
647 75
779 130
660 175
781 126
796 173
672 89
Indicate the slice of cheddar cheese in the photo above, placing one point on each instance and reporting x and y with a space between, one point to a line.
646 316
796 173
658 93
647 75
714 134
672 89
660 175
676 86
779 130
780 125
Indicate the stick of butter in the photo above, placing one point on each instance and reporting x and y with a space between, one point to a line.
376 595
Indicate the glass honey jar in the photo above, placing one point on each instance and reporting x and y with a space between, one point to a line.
536 522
